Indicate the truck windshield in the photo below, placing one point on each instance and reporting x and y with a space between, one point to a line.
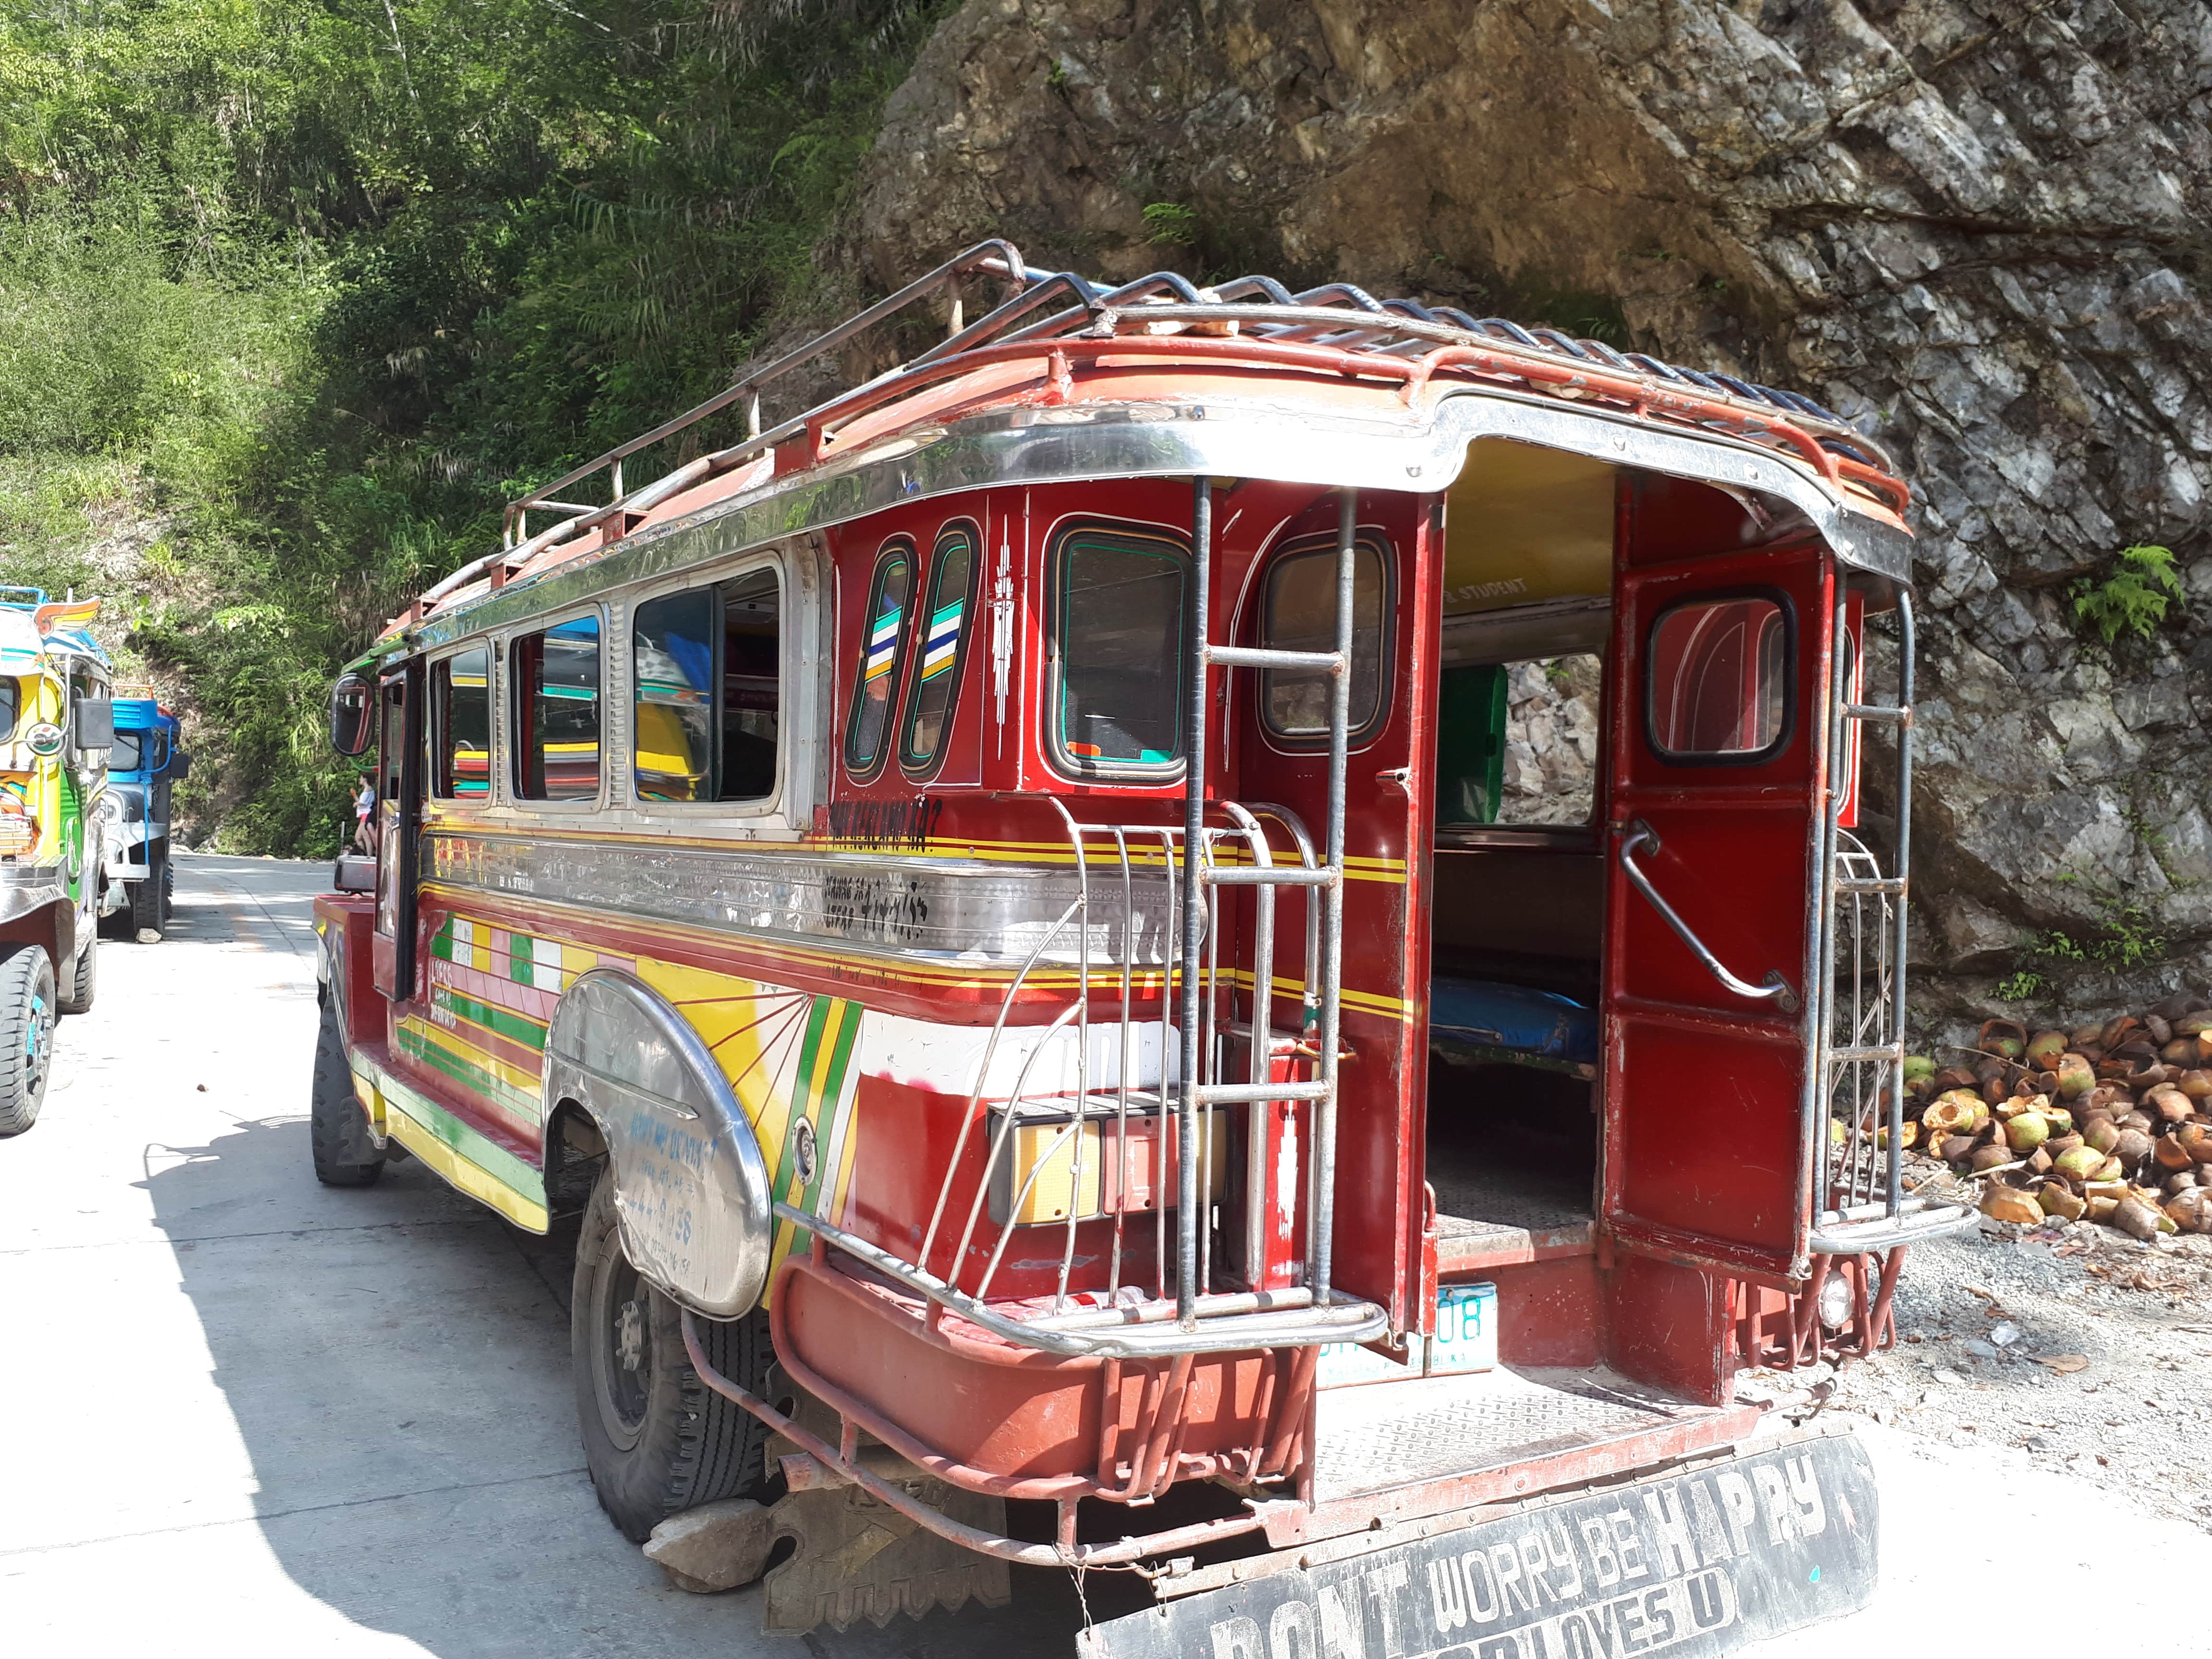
123 757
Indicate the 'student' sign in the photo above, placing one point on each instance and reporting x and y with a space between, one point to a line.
1687 1565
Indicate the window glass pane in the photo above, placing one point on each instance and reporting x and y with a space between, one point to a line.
875 678
672 670
1719 678
1121 650
123 757
460 703
938 674
753 687
1300 614
557 673
11 706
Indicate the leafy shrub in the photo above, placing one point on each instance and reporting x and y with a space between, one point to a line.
2134 600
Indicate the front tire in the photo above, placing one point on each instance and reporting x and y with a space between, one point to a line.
27 1036
345 1153
658 1440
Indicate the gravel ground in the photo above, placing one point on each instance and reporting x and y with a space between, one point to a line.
2087 1353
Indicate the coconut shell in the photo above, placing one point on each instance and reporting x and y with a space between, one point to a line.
1918 1068
2190 1210
2169 1105
2181 1180
2028 1131
2102 1134
2111 1170
1957 1149
2005 1203
2181 1051
2120 1028
2133 1150
1955 1077
1991 1157
2076 1076
2003 1036
2136 1219
2160 1031
2044 1048
2172 1155
2055 1199
2039 1160
2101 1209
2196 1139
2078 1163
2191 1023
2196 1083
2174 1007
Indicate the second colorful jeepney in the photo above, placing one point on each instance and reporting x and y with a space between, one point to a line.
1235 919
56 728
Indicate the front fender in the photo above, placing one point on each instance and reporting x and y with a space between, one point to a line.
691 1188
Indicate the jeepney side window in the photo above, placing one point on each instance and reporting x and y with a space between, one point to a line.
1299 614
943 645
460 723
688 743
11 706
882 647
558 716
1118 648
1719 673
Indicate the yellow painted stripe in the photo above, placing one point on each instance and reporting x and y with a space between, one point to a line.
460 1048
473 1179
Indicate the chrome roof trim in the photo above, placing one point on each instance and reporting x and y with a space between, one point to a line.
1010 448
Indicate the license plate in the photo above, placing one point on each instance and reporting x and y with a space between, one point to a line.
1689 1564
1466 1340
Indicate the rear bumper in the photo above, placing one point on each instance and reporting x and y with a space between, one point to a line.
1697 1559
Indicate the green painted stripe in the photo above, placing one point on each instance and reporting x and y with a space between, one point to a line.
468 1073
848 1027
509 1023
494 1160
521 952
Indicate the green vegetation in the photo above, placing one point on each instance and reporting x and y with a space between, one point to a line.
2134 598
294 293
2124 939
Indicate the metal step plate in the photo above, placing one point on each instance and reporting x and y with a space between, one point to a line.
1399 1433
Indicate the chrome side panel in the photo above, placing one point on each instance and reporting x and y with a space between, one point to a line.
690 1186
30 887
970 911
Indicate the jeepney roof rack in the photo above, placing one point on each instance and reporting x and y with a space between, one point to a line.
1270 320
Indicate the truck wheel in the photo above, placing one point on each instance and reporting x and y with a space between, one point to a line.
168 886
657 1439
337 1129
84 975
146 899
27 1036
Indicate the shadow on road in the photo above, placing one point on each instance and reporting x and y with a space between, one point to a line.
395 1359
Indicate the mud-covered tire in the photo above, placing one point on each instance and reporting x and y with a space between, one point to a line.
84 976
345 1154
168 886
27 1036
657 1439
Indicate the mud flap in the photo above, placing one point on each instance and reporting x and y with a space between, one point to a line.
1696 1562
857 1558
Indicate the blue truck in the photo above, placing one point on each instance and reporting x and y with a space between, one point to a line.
147 760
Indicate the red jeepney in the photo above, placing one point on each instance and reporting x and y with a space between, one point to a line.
1237 919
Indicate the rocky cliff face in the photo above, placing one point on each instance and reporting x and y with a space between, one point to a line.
1979 228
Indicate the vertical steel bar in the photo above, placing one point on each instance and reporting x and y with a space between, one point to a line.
1209 1050
1832 812
1170 955
1901 865
1321 1221
1257 1060
1128 1059
1195 632
1083 1046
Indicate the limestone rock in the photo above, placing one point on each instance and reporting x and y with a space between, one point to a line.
716 1546
1976 230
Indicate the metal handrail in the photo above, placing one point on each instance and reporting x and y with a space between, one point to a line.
1641 834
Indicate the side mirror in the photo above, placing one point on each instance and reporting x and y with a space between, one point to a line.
351 728
92 723
181 765
355 873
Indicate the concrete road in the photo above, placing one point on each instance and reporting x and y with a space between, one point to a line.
250 1416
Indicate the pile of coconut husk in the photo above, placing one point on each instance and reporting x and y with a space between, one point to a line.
2106 1123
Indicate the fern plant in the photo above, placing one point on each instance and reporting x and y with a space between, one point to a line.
2132 600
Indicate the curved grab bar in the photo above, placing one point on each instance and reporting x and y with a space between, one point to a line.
1641 835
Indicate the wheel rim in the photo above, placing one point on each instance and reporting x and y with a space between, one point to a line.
622 1347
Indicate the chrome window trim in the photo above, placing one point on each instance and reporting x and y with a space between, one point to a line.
494 794
777 558
613 618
